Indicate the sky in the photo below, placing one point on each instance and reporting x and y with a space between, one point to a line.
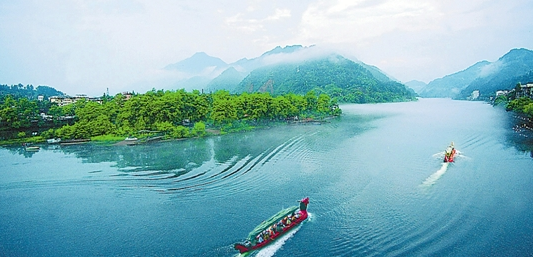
91 46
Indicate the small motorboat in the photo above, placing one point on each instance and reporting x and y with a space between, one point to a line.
30 148
449 154
274 227
54 140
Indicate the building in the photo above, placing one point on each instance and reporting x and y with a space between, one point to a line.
525 90
474 95
501 92
66 100
127 95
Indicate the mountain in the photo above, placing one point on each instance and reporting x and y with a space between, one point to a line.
376 72
333 74
284 50
29 91
488 77
196 64
451 85
227 80
285 55
504 74
276 55
291 69
193 73
416 85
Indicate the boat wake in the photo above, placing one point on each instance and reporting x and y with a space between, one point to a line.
435 176
270 250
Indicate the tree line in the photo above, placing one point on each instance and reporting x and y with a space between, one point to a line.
177 114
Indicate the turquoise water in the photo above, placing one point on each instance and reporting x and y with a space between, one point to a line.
375 178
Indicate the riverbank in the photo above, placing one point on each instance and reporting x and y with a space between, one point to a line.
122 140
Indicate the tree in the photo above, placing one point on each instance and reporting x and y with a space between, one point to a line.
311 100
323 104
199 129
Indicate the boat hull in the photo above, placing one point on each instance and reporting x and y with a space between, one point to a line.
280 228
448 157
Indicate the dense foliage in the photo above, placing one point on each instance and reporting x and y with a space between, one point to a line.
336 76
176 114
521 105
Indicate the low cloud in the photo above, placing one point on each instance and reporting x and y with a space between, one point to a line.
490 69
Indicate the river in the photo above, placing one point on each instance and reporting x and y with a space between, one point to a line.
375 178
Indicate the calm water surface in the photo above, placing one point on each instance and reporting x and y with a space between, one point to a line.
375 179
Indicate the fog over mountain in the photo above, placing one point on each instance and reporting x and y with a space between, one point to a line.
503 74
485 76
204 72
291 69
451 85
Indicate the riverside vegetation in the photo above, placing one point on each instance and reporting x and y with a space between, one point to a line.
173 114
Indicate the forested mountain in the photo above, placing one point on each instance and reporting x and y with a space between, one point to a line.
451 85
275 72
504 74
335 75
28 91
488 77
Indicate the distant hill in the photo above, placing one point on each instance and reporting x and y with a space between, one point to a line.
198 63
344 79
451 85
286 50
29 91
228 80
194 72
504 74
416 85
487 77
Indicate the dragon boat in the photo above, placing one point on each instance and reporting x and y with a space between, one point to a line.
449 154
274 227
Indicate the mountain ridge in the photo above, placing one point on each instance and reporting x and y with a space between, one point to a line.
335 75
205 72
484 76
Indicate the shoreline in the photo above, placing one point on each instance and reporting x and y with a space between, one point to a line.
114 141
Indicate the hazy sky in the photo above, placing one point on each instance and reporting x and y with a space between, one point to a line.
86 46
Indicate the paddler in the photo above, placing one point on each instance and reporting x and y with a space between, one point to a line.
449 149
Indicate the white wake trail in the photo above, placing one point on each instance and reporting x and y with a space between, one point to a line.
271 249
435 176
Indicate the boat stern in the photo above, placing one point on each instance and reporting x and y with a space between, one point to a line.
241 247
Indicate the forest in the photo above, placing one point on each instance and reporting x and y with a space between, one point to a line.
338 77
176 114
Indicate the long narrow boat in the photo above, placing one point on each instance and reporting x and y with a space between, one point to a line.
449 154
274 227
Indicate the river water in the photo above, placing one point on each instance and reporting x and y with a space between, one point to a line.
375 178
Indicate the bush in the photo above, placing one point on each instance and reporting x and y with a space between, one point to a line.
180 132
199 129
